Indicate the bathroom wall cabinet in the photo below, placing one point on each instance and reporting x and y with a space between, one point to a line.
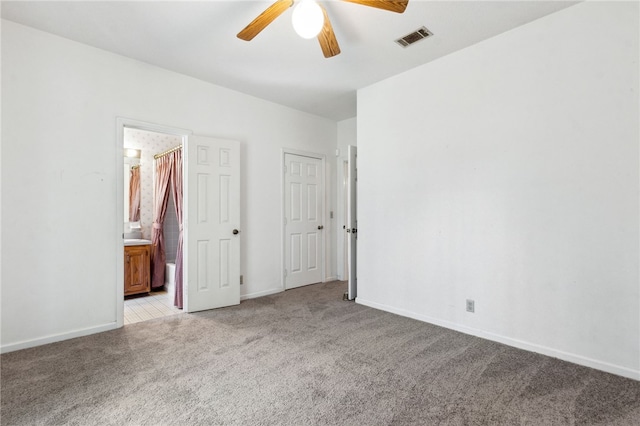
137 276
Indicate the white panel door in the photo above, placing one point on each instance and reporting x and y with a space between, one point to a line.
303 205
212 223
352 221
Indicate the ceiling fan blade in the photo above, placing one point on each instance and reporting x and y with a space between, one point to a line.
264 19
327 37
397 6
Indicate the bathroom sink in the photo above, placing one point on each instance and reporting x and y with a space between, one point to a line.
136 242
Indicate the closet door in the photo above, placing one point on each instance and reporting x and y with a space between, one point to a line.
212 223
304 228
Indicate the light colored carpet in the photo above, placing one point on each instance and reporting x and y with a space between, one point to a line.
302 357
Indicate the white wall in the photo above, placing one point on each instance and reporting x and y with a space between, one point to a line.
347 135
508 173
60 102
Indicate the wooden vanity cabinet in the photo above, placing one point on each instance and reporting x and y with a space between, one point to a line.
137 275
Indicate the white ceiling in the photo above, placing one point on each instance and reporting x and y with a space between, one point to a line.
199 39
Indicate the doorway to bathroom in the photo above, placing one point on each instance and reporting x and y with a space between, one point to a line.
210 216
150 292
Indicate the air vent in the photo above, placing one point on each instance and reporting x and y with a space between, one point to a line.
417 35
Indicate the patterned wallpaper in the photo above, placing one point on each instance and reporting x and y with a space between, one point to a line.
151 143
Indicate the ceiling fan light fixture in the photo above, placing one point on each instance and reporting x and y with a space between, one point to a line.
307 19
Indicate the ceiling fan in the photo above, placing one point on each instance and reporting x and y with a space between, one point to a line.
318 17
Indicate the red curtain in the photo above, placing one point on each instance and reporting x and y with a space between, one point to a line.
176 191
164 165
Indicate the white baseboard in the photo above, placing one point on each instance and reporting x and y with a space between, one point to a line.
261 293
329 279
532 347
56 337
273 291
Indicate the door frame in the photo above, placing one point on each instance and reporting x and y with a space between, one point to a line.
341 225
352 221
283 209
121 123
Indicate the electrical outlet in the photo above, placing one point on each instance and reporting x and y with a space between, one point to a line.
471 305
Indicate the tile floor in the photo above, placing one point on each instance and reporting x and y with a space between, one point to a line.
145 307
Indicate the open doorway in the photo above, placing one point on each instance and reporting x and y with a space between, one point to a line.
146 295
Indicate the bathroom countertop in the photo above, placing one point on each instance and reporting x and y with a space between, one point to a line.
136 242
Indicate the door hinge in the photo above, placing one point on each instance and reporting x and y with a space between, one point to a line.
241 280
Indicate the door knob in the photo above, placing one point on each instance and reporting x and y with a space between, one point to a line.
236 232
320 227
